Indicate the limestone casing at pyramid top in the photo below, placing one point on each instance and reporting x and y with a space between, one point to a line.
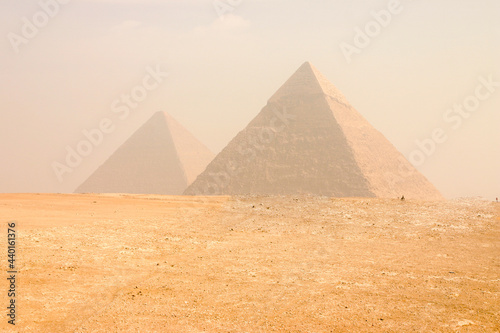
308 80
193 155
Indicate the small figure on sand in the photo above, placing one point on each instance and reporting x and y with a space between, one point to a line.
403 198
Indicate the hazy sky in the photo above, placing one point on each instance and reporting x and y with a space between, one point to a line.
70 73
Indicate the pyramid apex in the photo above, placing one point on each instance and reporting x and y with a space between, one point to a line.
161 113
307 66
308 80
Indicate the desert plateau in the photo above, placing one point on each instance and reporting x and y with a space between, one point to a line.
151 263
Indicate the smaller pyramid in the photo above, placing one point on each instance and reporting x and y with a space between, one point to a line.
161 157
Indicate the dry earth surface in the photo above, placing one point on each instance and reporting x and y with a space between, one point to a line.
123 263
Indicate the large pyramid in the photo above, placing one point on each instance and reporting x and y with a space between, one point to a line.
161 157
308 139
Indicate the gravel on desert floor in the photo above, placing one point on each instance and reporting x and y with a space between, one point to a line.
149 263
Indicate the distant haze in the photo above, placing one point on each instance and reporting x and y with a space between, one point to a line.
428 72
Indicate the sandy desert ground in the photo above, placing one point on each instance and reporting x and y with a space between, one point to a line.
137 263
